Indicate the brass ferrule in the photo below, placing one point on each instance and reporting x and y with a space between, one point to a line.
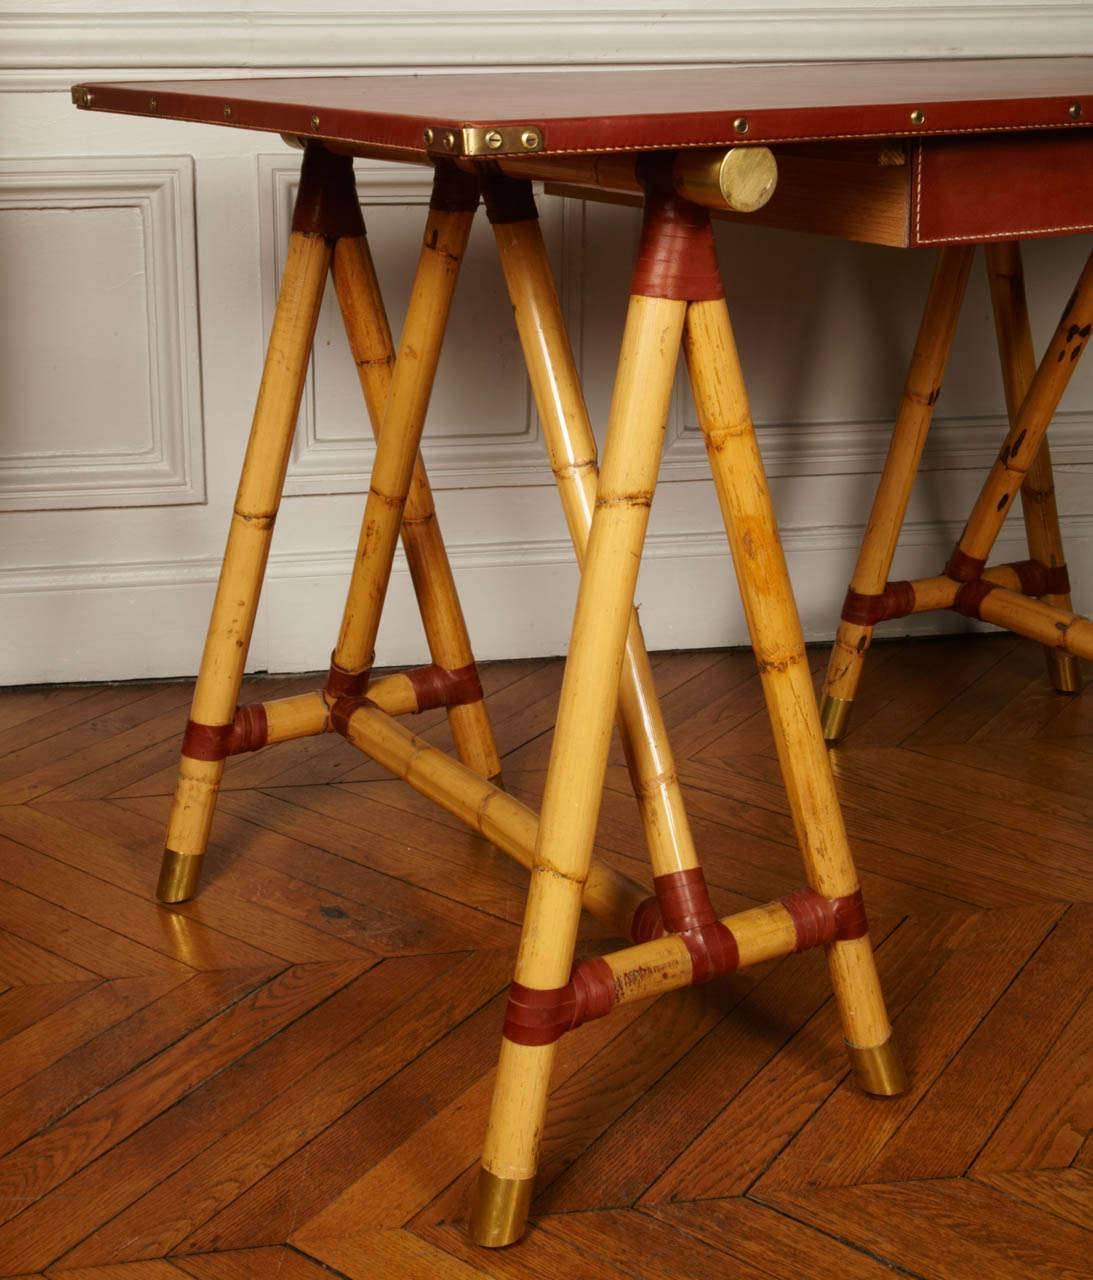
879 1070
499 1209
178 876
834 714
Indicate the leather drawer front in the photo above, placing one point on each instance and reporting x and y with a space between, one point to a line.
1012 187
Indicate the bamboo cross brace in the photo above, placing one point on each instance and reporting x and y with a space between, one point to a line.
798 922
607 895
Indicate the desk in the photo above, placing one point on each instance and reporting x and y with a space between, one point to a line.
913 153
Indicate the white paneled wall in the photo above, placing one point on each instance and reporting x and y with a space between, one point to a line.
139 261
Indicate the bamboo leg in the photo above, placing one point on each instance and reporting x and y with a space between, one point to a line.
578 761
1015 350
722 403
455 196
572 450
445 628
1026 434
257 500
878 547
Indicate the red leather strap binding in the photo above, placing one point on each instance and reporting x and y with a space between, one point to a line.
897 600
454 190
850 918
676 258
542 1016
813 918
818 921
684 900
342 710
326 202
248 731
970 597
438 687
1039 579
347 684
647 923
713 951
686 909
964 568
206 741
508 199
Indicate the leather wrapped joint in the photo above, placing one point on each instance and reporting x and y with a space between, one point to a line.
1039 579
964 568
682 906
342 710
436 686
897 600
248 731
341 683
970 597
454 190
677 258
820 921
537 1017
508 199
326 201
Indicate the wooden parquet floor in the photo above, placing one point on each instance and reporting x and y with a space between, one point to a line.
289 1076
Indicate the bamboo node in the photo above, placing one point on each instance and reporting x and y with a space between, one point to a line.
640 499
256 519
393 500
778 664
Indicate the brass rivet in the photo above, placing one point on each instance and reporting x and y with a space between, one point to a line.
493 140
314 122
918 116
152 104
86 98
429 135
530 140
449 140
227 112
740 124
1075 111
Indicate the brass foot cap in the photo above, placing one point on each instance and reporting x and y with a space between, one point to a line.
1065 671
879 1070
499 1209
178 875
834 713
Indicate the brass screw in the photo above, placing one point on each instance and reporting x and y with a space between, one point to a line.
530 140
494 140
429 136
741 125
227 112
314 122
86 98
152 104
449 140
918 116
1075 111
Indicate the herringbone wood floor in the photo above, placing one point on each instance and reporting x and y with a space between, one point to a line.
289 1076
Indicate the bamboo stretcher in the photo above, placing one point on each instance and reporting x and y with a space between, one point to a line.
676 305
1031 597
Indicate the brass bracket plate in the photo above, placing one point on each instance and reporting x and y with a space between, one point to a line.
483 140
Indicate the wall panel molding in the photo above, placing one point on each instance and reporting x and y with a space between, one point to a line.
39 48
169 469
